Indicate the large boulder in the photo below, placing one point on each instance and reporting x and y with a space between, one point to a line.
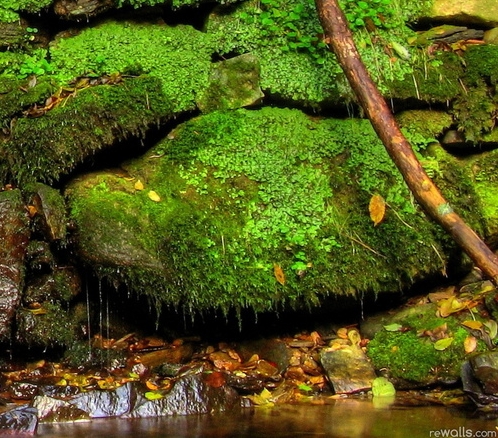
262 208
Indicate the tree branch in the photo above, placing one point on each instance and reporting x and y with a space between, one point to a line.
340 40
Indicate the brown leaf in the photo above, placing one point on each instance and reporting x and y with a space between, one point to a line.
377 209
279 273
215 379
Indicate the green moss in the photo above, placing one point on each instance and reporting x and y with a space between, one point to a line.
9 8
244 191
475 111
16 96
433 79
180 56
56 327
409 356
43 148
481 63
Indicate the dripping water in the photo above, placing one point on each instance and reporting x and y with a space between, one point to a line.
88 322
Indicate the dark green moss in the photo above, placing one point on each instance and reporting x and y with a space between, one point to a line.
481 62
432 80
46 147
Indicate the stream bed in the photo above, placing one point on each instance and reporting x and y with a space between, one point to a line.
343 418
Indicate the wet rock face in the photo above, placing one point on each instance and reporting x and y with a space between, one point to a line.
191 394
14 235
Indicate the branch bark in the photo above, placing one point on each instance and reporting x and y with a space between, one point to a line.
339 38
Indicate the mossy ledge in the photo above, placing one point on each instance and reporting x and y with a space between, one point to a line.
257 209
44 148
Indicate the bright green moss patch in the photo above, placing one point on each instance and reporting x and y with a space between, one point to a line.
180 56
46 147
410 355
243 194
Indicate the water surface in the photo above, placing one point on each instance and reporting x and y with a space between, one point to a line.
347 418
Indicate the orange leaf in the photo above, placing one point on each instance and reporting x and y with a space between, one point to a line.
151 386
470 344
377 209
279 273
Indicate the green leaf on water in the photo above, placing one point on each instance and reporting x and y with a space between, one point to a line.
381 387
304 387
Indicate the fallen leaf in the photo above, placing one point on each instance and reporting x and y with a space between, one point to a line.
451 305
139 185
492 328
443 344
152 395
279 273
342 333
394 327
150 385
471 324
354 337
469 344
381 387
215 379
377 209
154 196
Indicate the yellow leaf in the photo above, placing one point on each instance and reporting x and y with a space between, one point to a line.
139 185
38 311
279 273
471 324
154 196
450 305
354 337
377 209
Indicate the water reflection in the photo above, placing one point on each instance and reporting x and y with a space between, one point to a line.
341 419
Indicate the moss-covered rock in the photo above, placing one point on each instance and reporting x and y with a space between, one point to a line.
46 147
180 56
257 209
410 355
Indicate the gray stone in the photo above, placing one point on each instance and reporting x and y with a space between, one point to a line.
348 369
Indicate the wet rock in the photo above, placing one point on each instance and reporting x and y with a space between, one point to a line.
101 404
62 285
19 420
23 390
485 369
234 83
81 9
273 350
39 256
348 369
14 235
48 210
189 395
474 387
491 36
174 355
57 409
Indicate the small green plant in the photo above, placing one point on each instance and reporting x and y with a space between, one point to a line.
369 13
297 23
35 64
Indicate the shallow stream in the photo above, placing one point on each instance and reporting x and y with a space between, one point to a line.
347 418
